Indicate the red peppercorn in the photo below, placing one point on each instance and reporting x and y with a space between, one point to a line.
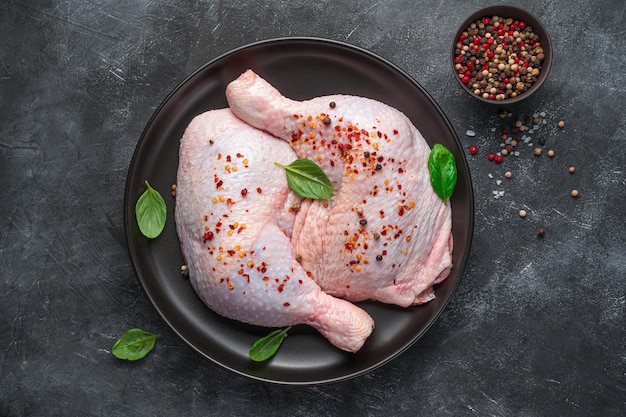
491 157
465 79
208 236
498 159
486 20
521 25
473 149
476 40
244 192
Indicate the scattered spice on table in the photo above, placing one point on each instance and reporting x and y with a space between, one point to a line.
574 193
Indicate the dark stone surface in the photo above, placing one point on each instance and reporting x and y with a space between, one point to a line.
535 328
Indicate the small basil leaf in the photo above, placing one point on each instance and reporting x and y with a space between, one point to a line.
134 345
307 179
151 212
266 347
442 168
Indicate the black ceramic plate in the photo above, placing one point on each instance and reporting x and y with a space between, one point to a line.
300 68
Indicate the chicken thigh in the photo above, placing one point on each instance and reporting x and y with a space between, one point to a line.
385 234
235 225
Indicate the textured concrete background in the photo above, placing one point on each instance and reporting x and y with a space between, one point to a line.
535 328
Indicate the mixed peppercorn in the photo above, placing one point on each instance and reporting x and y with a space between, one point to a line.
498 58
515 134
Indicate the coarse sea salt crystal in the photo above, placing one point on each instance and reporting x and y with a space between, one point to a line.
493 129
498 182
542 114
470 133
490 176
516 153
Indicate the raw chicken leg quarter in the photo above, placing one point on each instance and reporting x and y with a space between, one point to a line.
234 224
385 234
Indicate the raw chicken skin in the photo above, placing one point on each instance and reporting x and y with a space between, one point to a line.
385 234
234 224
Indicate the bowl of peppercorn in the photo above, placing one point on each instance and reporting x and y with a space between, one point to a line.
501 54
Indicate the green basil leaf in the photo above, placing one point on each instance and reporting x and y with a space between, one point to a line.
266 347
134 345
307 179
442 168
151 212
